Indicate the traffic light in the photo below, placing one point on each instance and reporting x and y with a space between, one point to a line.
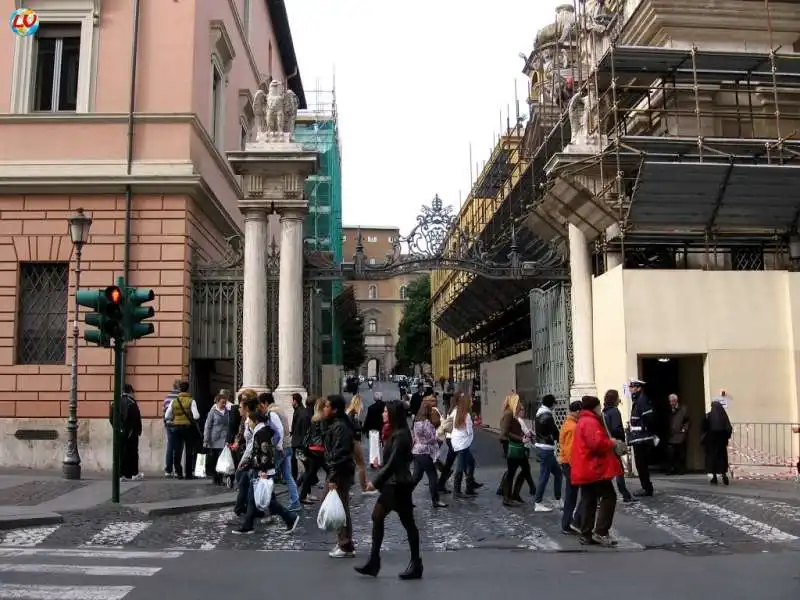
106 315
136 313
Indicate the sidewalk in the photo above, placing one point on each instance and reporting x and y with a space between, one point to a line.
29 498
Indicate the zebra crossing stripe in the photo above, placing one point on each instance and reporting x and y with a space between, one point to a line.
685 534
28 536
781 509
531 538
118 533
209 529
88 553
748 526
88 570
624 543
10 591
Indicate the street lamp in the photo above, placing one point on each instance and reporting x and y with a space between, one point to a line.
79 225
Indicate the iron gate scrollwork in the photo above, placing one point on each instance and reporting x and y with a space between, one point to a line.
217 310
551 340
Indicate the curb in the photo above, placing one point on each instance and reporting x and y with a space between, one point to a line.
18 521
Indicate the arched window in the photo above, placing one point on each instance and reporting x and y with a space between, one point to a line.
372 326
403 292
372 292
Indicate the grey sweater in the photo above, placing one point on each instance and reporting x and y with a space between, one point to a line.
216 430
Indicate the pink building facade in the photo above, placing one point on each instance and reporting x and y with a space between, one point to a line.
68 140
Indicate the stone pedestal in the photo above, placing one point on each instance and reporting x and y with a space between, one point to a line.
580 270
274 176
254 309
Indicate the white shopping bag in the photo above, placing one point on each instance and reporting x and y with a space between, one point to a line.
443 450
331 514
375 448
200 466
225 464
262 492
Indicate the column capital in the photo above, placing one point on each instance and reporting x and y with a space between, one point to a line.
292 214
255 213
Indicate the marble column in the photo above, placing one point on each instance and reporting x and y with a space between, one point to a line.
580 270
290 306
254 330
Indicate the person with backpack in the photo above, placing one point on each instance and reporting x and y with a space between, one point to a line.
259 462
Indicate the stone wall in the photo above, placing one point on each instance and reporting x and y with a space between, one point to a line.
34 228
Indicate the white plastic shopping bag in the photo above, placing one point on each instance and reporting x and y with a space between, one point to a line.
225 464
200 466
375 448
262 491
331 514
443 451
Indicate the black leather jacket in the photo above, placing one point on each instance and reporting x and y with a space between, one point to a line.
397 460
315 436
339 441
545 428
301 422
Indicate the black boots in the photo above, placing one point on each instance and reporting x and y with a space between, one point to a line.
413 570
372 568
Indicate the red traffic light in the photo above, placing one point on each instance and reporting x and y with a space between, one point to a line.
114 294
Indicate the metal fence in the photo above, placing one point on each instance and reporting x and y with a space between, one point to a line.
768 449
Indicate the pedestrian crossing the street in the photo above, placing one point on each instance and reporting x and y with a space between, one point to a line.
36 573
672 521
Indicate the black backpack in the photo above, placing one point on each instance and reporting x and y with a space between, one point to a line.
263 457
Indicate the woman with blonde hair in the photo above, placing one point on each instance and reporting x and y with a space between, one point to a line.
461 438
315 452
353 412
516 454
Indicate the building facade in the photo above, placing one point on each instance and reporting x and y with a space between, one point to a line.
380 301
661 164
147 163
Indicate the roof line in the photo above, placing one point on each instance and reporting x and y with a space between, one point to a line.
283 35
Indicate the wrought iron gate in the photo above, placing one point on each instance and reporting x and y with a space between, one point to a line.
551 340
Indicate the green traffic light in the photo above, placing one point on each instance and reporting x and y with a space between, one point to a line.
136 313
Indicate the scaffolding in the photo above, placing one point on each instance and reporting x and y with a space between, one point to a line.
318 126
695 150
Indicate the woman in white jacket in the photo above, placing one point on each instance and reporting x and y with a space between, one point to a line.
461 439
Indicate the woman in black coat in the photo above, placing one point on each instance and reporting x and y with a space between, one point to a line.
716 433
396 484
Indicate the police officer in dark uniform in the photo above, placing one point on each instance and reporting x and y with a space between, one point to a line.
642 436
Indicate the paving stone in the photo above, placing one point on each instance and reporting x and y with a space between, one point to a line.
162 491
36 492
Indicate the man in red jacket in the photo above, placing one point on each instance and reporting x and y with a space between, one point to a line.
593 466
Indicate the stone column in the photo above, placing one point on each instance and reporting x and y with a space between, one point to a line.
254 330
290 306
580 270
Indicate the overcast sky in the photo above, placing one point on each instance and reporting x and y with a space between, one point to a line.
417 82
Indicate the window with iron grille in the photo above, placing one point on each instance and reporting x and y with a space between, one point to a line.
747 258
42 322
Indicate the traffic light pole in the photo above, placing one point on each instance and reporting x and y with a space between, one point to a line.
116 413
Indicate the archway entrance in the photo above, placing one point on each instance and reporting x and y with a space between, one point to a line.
373 368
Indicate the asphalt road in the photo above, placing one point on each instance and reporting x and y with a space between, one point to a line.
475 574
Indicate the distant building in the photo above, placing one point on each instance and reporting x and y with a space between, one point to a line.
381 301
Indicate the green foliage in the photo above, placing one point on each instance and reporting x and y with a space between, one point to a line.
354 352
414 339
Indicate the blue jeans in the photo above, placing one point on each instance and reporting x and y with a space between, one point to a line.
548 466
569 517
465 465
169 438
274 508
285 468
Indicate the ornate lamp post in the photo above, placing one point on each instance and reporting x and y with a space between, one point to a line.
79 225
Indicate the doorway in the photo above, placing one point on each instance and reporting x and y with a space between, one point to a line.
682 375
208 378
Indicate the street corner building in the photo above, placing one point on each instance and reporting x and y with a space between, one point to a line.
650 193
105 110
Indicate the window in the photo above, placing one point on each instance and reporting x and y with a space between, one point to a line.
372 326
344 238
372 292
243 137
372 261
269 60
53 70
391 239
55 86
372 239
403 291
42 322
222 55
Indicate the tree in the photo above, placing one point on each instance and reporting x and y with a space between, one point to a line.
354 352
414 336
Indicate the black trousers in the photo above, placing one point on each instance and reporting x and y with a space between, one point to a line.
293 462
129 461
424 465
676 457
313 463
447 468
512 464
597 505
395 498
212 456
641 458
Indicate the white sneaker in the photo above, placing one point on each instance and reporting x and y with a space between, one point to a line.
339 553
138 477
560 504
542 508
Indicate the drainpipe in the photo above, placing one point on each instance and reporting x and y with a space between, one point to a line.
126 261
